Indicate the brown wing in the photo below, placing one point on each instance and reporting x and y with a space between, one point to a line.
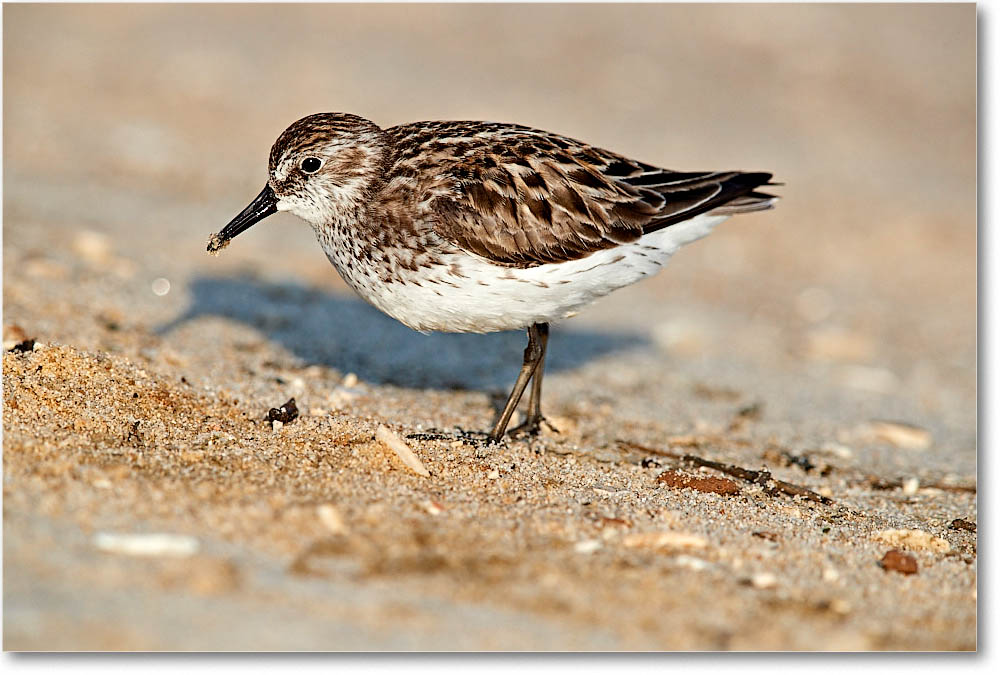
522 197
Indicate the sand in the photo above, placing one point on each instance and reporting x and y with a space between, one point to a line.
150 503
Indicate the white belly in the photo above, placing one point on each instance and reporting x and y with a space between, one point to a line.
484 297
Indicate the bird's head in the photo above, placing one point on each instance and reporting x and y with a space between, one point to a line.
323 168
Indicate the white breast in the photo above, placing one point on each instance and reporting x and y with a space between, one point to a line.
468 294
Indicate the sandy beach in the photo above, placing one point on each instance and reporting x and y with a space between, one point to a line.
771 445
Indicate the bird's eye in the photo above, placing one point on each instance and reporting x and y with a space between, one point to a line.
310 165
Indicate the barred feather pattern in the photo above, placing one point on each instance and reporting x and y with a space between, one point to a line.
525 197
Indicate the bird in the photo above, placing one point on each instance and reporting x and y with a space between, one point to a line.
476 227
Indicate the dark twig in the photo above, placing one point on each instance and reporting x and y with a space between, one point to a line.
763 478
876 483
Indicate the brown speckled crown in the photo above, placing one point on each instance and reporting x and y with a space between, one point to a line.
311 129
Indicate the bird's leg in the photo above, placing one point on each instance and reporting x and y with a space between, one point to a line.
533 423
533 354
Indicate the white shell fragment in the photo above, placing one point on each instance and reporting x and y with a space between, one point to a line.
175 545
664 540
764 580
901 435
692 563
331 518
389 439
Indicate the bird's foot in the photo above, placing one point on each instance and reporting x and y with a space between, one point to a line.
480 439
531 427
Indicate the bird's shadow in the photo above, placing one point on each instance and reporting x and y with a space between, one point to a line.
345 333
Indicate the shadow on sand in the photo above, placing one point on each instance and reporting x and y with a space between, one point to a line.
344 332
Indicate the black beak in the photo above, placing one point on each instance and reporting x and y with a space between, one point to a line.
260 208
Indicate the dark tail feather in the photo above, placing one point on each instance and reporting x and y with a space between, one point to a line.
730 193
755 201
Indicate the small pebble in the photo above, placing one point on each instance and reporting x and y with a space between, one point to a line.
764 580
288 412
664 540
331 518
23 347
839 345
692 563
791 511
960 524
680 337
897 561
901 435
93 247
587 546
147 544
340 397
910 486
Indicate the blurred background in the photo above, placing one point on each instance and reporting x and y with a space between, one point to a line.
133 132
150 125
866 112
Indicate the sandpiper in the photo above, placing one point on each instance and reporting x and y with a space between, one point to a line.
475 227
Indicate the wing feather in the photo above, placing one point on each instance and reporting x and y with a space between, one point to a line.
522 197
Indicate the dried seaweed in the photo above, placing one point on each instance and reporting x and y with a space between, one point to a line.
763 478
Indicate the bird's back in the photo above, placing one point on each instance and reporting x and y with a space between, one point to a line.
525 197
